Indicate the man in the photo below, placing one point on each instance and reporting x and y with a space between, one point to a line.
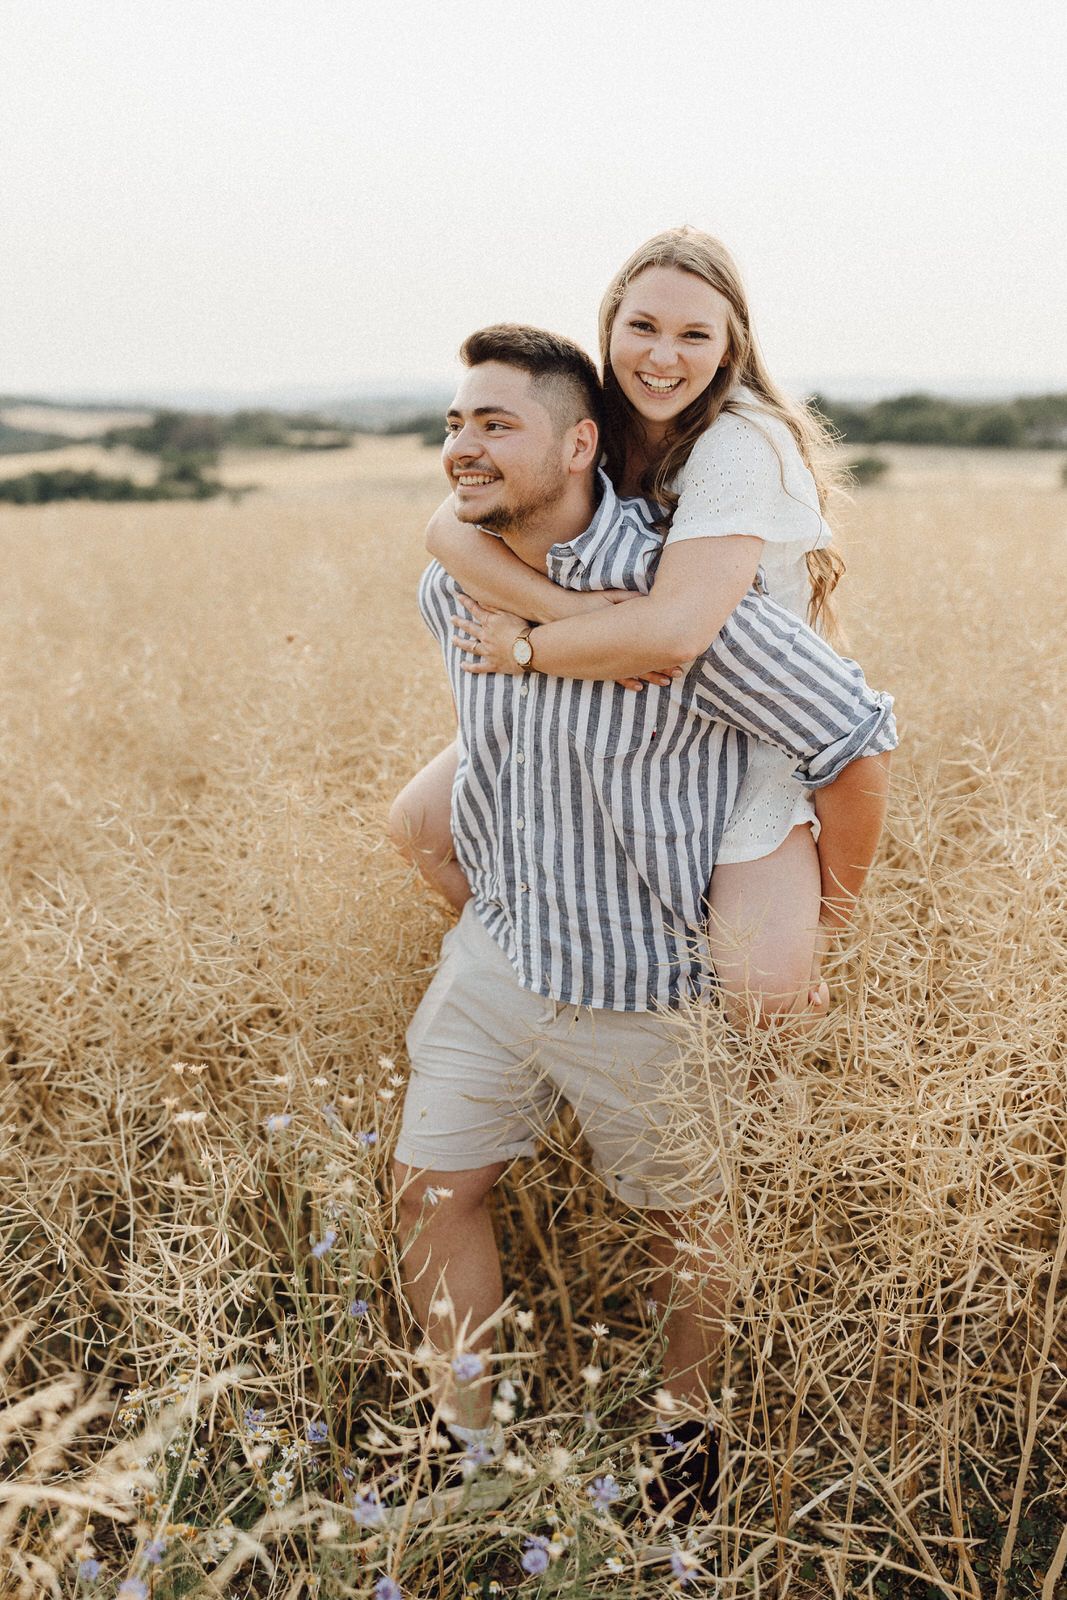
586 820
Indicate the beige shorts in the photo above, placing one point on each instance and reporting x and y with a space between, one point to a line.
491 1062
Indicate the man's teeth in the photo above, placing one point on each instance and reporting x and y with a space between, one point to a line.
659 385
472 480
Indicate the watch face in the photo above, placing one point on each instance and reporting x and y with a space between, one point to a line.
522 650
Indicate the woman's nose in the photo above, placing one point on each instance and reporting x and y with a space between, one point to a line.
662 352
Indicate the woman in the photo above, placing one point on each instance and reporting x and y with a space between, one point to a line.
694 422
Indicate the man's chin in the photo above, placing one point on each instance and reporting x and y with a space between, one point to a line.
484 514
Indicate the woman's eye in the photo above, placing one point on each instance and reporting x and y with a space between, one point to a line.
694 333
640 327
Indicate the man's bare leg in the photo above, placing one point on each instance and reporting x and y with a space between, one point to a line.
693 1329
453 1255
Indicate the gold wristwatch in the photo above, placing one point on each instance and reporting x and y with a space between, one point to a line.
522 650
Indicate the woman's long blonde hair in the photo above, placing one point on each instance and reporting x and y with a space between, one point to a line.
692 251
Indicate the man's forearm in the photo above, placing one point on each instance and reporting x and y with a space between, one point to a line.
852 813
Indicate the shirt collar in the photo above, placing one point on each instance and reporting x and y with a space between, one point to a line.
586 546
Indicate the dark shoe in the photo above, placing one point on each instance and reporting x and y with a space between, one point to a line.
687 1471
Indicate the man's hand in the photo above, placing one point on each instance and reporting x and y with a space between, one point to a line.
490 635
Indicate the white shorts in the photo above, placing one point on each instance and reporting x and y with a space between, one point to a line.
491 1062
770 804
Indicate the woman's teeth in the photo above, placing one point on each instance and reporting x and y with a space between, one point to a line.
659 385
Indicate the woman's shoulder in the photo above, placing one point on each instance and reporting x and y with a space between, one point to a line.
742 439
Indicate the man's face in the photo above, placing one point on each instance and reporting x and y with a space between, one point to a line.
504 459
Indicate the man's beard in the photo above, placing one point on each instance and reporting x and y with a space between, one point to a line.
513 516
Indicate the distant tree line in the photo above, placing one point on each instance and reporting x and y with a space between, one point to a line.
182 480
1036 422
201 436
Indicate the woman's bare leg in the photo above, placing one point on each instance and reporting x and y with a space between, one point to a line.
420 826
762 928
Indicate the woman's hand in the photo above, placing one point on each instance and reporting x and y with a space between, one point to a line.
490 635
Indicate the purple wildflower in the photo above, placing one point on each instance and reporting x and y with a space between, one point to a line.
367 1510
468 1366
133 1589
535 1557
254 1420
359 1308
478 1453
90 1568
278 1122
683 1567
317 1432
387 1589
604 1491
367 1137
330 1113
327 1242
154 1552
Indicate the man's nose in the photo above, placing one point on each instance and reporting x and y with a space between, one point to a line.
461 446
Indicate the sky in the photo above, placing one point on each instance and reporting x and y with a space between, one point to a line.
246 197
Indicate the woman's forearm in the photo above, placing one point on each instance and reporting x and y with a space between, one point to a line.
852 813
486 569
698 584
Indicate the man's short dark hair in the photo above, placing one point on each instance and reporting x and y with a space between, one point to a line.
565 375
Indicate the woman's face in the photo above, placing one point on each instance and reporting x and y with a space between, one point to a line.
669 339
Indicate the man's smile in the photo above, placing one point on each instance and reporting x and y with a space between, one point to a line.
472 480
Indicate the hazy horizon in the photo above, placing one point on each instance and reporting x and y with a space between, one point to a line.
259 198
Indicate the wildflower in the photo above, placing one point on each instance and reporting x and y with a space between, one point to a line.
434 1195
387 1589
367 1509
278 1122
196 1117
271 1346
330 1113
133 1589
603 1492
503 1411
684 1566
386 1094
320 1083
442 1307
535 1557
599 1330
386 1063
468 1366
367 1137
651 1306
326 1243
525 1320
317 1432
282 1079
329 1528
254 1420
592 1376
90 1568
154 1552
559 1461
358 1308
507 1390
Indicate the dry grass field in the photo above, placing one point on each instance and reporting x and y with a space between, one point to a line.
209 957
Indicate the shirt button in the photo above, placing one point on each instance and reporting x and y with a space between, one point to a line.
520 758
524 687
525 887
521 823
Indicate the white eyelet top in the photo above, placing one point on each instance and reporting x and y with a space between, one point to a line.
746 476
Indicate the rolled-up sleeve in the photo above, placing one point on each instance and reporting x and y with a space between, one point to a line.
774 678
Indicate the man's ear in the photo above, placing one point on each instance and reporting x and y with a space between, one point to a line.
585 446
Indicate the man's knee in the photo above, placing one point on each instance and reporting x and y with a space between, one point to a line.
418 1192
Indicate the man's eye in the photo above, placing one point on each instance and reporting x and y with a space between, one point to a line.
491 425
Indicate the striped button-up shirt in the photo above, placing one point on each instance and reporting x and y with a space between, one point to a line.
587 817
